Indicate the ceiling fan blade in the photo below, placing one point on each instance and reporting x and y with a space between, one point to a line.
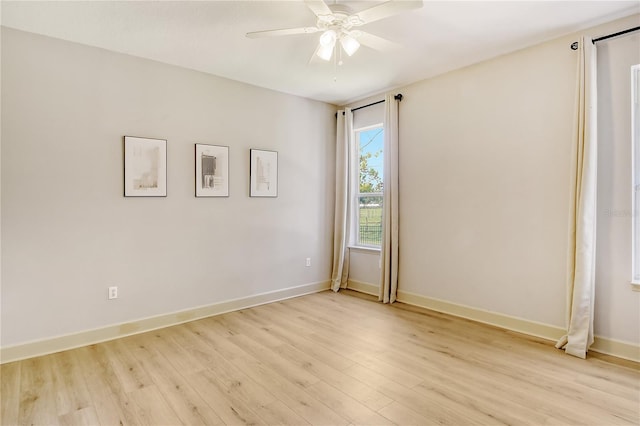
375 42
283 32
387 9
318 7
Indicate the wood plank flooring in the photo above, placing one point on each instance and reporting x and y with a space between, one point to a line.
322 359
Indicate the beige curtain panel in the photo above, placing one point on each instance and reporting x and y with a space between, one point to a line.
389 249
340 272
582 244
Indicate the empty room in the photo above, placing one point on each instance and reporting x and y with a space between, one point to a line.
320 212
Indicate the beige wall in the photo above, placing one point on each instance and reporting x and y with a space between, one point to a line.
67 231
484 181
617 311
364 266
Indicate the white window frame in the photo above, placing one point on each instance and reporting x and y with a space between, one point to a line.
355 182
635 177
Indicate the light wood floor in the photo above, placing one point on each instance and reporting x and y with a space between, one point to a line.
324 359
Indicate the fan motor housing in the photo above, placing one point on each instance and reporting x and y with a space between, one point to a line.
341 18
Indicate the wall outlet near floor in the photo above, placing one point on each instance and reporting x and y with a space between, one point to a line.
113 293
308 261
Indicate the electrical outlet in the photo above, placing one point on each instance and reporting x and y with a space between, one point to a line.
308 261
113 293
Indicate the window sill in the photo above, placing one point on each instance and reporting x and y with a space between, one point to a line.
365 249
635 286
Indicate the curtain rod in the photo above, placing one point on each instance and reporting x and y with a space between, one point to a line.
397 97
574 45
619 33
368 105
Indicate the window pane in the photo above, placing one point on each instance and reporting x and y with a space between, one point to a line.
371 160
370 220
368 194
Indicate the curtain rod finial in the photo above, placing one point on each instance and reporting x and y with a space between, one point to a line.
574 45
398 97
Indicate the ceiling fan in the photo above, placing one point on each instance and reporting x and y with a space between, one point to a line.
337 23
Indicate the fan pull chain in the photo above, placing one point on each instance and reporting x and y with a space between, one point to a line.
336 62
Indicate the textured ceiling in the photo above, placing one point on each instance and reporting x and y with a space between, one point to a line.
209 36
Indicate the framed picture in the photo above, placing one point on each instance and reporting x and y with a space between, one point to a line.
145 167
212 171
263 175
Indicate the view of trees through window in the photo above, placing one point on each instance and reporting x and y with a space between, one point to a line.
370 148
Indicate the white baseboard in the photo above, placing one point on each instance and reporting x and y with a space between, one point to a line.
89 337
616 348
363 287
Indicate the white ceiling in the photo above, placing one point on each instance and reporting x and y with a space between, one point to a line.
209 36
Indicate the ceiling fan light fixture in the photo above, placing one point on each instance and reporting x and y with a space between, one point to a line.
328 38
327 44
349 44
325 52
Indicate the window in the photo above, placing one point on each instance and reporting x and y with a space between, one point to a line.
635 188
368 195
